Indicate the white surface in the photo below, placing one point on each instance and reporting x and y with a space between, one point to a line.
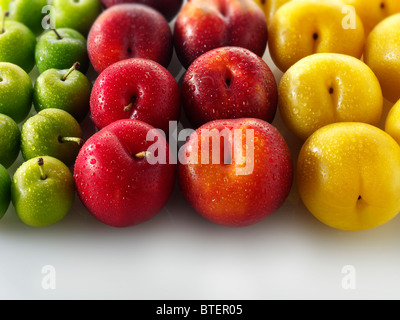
180 255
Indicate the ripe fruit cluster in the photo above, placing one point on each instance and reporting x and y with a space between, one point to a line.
235 168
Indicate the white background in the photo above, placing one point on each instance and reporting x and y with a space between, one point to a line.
180 255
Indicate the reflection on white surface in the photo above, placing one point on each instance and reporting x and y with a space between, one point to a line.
180 255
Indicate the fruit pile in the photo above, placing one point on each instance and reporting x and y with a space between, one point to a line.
340 64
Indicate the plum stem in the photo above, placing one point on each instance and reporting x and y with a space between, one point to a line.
43 175
57 34
128 107
76 66
79 141
143 154
6 14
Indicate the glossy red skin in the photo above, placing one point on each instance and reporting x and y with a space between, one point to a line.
168 8
203 25
224 198
157 94
117 188
250 93
129 31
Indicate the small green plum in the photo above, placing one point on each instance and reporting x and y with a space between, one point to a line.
60 49
5 190
9 141
68 90
54 133
42 191
16 92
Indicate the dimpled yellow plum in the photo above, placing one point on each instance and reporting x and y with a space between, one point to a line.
270 7
304 27
392 123
348 176
371 12
325 88
382 54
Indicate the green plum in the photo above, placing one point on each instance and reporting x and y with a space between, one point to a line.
54 133
42 191
16 92
9 141
76 14
5 190
68 90
60 49
17 44
28 12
